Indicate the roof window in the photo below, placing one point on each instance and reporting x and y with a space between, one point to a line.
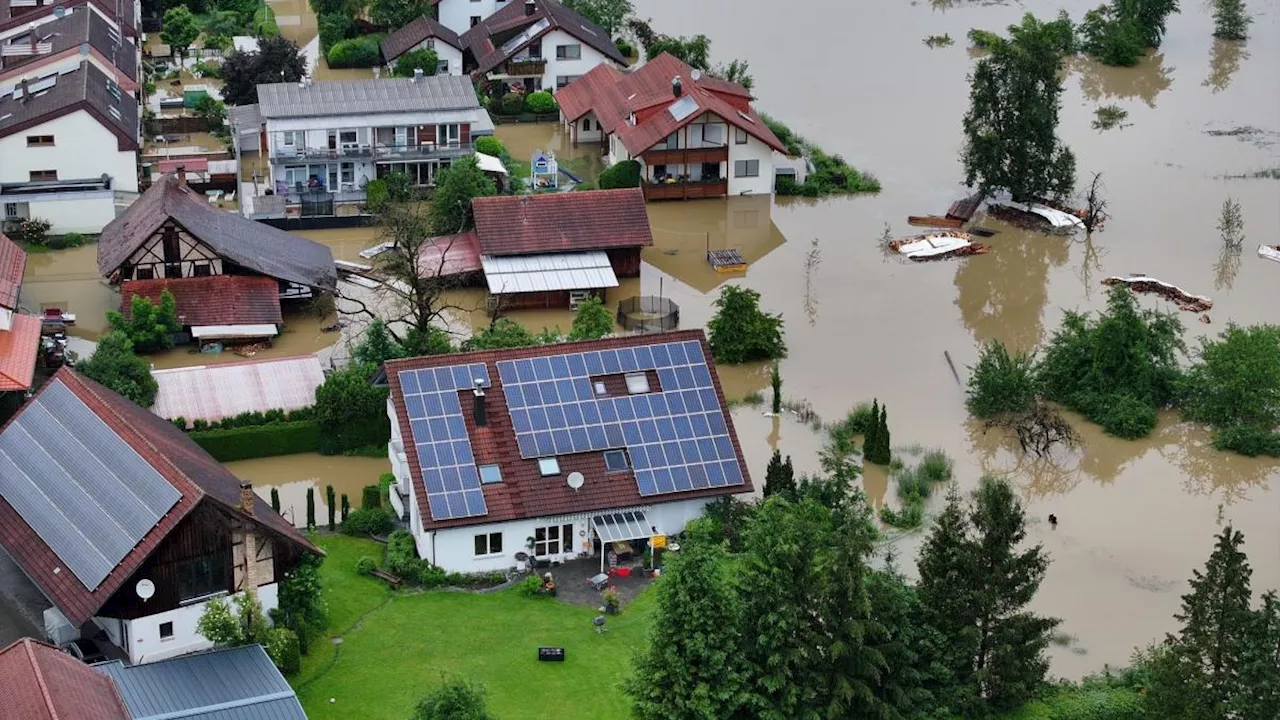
548 466
616 460
490 474
637 383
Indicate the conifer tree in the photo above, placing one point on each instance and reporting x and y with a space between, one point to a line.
856 666
333 509
883 437
869 442
275 499
311 508
947 594
780 477
909 646
693 666
1260 667
1230 20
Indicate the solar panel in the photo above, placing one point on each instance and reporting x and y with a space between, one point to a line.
678 438
439 433
683 108
79 485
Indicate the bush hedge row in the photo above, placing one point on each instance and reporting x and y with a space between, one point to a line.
359 52
258 441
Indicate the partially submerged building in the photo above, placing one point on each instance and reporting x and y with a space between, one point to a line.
122 521
559 451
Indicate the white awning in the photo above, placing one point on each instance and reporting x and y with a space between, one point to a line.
218 332
622 526
540 273
489 163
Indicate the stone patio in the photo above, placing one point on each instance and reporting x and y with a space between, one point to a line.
572 586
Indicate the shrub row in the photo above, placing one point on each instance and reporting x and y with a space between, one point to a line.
368 521
403 560
537 103
258 441
247 419
358 52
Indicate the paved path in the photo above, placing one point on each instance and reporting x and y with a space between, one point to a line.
21 604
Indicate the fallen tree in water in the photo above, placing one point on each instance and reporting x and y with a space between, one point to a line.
1174 294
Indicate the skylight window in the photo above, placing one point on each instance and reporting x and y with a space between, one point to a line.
525 36
616 460
548 466
490 474
683 108
637 383
600 388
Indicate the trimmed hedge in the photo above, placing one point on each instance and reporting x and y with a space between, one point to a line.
540 103
625 174
490 145
512 103
368 521
259 441
360 52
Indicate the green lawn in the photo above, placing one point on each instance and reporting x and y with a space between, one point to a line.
401 649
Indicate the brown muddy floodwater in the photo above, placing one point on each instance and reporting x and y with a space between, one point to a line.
293 474
1135 517
298 23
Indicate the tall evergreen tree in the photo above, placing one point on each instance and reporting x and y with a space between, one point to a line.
1230 20
947 593
1202 676
781 585
883 437
694 666
1260 666
909 647
869 441
780 477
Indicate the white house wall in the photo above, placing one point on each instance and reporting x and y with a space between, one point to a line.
82 148
762 184
143 634
78 212
456 14
590 57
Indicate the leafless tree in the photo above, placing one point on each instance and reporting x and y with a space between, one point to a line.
812 259
1095 205
1039 429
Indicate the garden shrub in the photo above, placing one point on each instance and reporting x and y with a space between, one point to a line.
1001 382
936 467
359 52
376 194
983 38
1236 379
741 332
1109 703
32 231
284 650
490 145
370 497
1121 415
625 174
403 560
531 587
787 185
264 22
793 142
368 521
624 47
512 103
258 441
541 103
1248 440
351 412
334 28
911 515
366 565
424 59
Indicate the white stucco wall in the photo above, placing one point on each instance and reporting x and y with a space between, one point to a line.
143 634
82 148
752 150
444 51
581 134
590 57
86 212
456 14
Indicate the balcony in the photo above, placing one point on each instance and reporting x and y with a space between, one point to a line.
349 152
686 156
424 151
532 67
686 190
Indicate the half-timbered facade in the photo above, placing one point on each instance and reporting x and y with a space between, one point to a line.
131 527
172 252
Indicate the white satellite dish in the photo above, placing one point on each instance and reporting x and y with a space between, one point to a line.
575 480
145 589
696 75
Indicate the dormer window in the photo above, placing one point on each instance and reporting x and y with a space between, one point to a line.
637 383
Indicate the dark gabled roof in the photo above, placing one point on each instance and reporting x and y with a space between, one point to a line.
413 34
234 684
41 682
253 245
647 91
485 39
169 452
13 263
214 300
108 7
523 492
561 222
81 24
84 88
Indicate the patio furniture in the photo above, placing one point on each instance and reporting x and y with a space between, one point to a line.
599 621
599 582
623 549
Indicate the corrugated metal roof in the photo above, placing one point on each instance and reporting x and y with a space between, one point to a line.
540 273
236 684
84 491
213 392
356 97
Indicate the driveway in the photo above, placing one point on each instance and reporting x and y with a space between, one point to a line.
21 604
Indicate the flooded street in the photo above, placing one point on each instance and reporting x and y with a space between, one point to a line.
1135 517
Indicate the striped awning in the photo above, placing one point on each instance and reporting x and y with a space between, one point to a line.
622 526
553 271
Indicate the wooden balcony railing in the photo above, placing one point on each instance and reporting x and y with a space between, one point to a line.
522 68
686 190
686 156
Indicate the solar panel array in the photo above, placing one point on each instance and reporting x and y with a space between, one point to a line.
88 495
440 436
678 438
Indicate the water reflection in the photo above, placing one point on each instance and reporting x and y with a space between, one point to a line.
1224 60
1090 263
683 232
1001 295
292 475
1224 271
1209 472
1144 81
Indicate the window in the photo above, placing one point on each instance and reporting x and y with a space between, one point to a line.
739 136
447 135
475 20
348 172
616 460
202 270
431 42
442 67
673 141
586 124
746 168
601 389
39 175
637 383
488 544
12 211
166 631
144 273
568 52
562 80
548 466
200 578
39 141
347 138
490 474
553 540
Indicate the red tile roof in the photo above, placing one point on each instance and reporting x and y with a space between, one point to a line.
214 300
613 96
18 348
41 682
447 255
523 492
562 222
413 34
176 457
485 40
13 263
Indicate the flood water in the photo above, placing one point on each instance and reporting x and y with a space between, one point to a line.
293 474
1135 517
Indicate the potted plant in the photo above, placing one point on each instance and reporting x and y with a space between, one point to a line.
648 558
612 601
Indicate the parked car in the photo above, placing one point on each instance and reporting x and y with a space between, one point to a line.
84 650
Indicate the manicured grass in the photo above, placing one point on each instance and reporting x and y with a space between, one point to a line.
404 648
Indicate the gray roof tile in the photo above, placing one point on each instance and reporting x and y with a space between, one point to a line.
347 97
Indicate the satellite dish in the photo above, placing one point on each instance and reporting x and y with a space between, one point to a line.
576 480
696 75
145 589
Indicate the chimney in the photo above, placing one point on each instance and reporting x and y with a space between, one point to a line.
246 497
480 416
26 92
417 74
529 7
676 88
180 173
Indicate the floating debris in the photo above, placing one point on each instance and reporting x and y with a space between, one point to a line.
1270 252
934 221
964 209
1143 284
937 245
982 232
729 260
1057 219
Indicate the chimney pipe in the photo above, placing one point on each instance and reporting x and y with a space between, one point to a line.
246 497
181 174
417 74
529 7
479 415
676 88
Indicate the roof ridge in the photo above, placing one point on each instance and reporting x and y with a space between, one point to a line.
39 675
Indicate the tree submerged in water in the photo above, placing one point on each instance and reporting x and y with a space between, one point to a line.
741 332
1231 20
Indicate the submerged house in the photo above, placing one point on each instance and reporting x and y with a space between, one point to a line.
555 250
693 134
227 273
560 451
122 521
19 334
